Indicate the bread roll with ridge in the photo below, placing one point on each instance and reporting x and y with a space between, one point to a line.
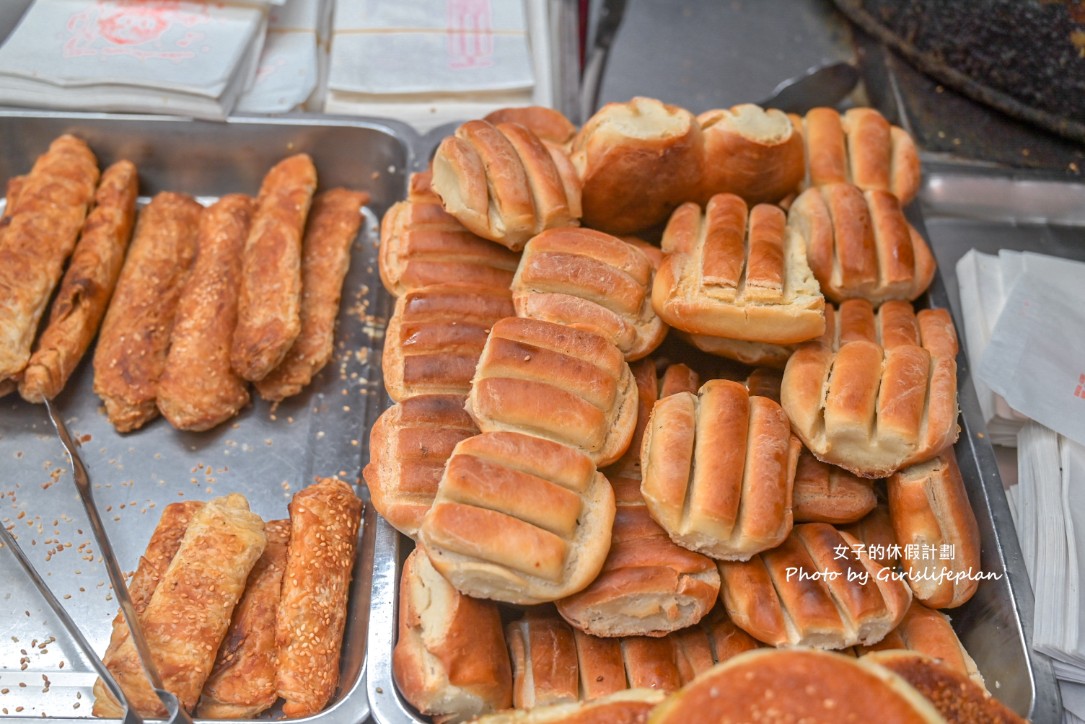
753 152
566 385
937 531
638 161
505 184
543 652
860 147
435 336
408 446
827 493
718 470
754 354
737 273
548 124
649 586
818 588
875 532
876 392
422 244
929 632
519 519
450 660
860 245
593 281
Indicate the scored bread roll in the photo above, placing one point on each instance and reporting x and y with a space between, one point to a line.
827 493
649 586
519 519
505 184
422 244
546 379
718 470
877 392
737 273
590 280
450 660
818 588
628 706
813 687
638 161
753 152
435 336
754 354
860 245
548 124
543 652
875 532
408 446
860 147
937 531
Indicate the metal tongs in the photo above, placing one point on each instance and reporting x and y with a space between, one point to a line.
174 712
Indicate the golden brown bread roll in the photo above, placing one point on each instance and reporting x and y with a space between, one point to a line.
88 283
929 632
638 161
802 685
956 697
752 152
875 532
860 245
269 298
877 392
408 446
737 273
548 124
860 147
198 389
450 660
818 588
134 340
827 493
647 382
718 470
46 209
435 336
422 244
649 586
567 385
754 354
519 519
937 531
590 280
543 652
505 184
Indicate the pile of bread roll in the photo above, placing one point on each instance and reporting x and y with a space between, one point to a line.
597 520
195 304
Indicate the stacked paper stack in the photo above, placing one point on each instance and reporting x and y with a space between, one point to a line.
178 57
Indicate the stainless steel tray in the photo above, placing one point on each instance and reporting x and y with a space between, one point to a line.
995 625
266 454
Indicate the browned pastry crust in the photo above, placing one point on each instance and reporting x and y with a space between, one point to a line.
860 245
718 470
450 660
860 147
818 588
628 706
519 519
937 531
197 389
956 697
242 682
548 124
754 354
543 652
875 393
802 685
590 280
189 612
649 586
737 273
647 382
46 209
269 299
827 493
638 161
409 445
875 532
332 227
324 521
134 339
505 184
550 380
753 152
765 382
435 336
422 244
87 285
